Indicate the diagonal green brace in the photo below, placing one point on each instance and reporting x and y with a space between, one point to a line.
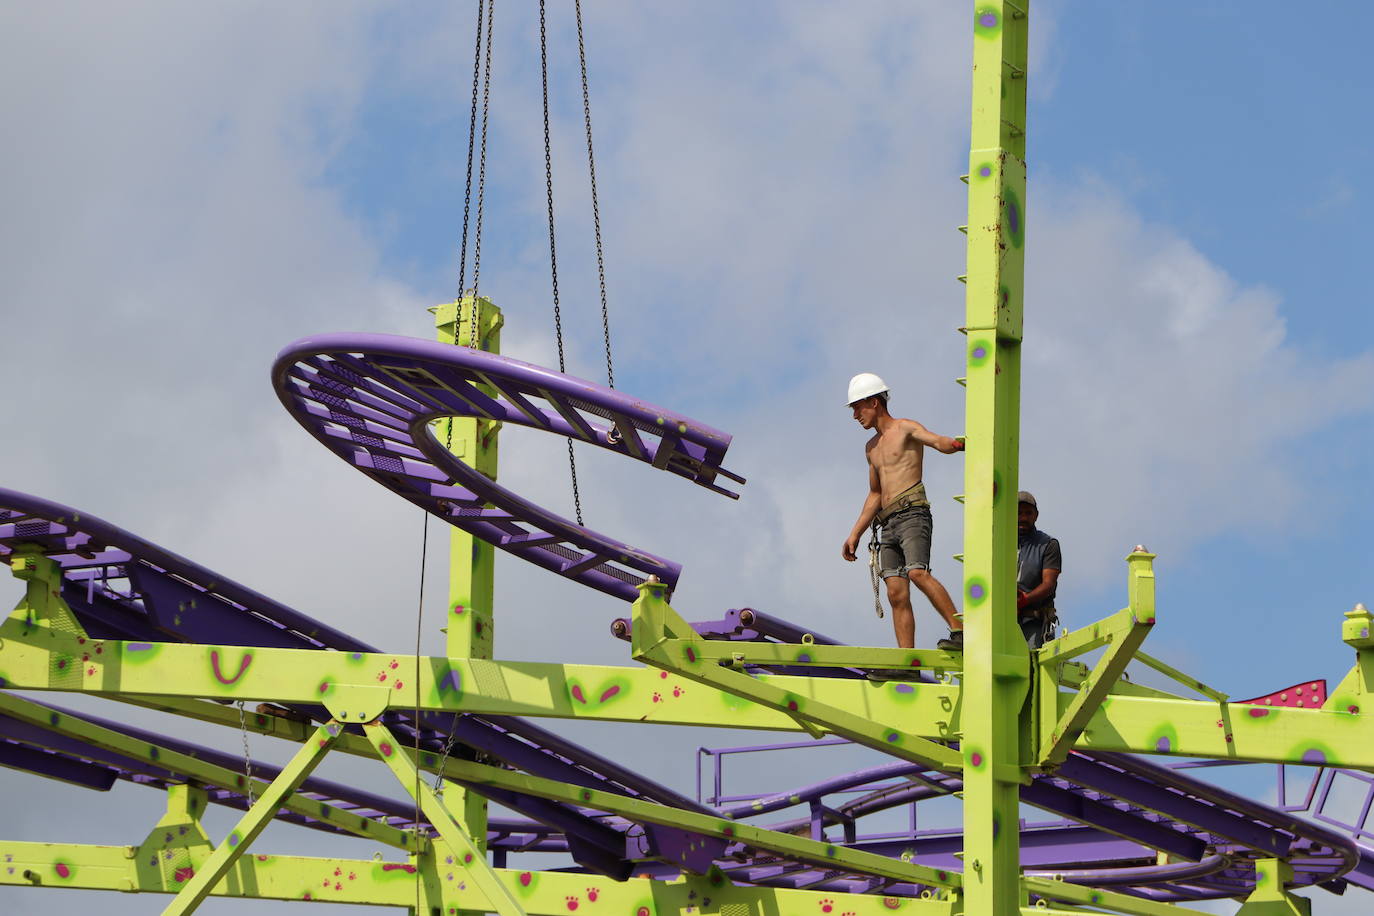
1122 634
396 756
1055 745
814 852
1098 898
200 770
254 820
1174 674
655 642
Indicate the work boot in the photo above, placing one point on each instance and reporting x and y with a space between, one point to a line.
952 643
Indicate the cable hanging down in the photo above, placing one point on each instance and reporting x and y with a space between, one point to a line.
553 243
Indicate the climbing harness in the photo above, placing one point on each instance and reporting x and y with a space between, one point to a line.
912 497
873 548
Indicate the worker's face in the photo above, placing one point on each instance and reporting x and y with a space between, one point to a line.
1026 514
866 411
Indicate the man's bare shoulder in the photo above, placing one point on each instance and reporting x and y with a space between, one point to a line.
909 426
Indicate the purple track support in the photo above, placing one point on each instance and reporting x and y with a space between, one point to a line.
372 400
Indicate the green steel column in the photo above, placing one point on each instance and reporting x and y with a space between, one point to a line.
470 612
995 659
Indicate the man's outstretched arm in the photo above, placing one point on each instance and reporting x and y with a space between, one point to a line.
872 503
945 444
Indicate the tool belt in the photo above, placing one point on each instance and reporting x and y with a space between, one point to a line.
911 498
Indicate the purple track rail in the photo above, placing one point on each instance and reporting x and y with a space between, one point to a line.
123 587
372 400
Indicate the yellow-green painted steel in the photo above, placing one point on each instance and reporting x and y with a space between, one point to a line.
254 821
398 759
663 639
473 440
471 321
200 770
996 664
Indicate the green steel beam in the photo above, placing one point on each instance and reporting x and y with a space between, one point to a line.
254 821
1081 641
1178 676
1271 896
392 884
996 664
258 877
199 770
40 660
818 656
656 642
42 604
1123 633
470 622
1097 898
813 852
471 321
397 758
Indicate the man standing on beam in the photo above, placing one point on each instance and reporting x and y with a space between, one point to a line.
897 504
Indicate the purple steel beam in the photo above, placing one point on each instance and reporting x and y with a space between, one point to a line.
370 398
160 602
56 766
1146 874
82 543
1169 799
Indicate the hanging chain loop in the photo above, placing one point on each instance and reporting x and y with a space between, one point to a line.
553 245
247 756
474 332
596 208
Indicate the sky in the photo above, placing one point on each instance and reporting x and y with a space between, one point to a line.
190 187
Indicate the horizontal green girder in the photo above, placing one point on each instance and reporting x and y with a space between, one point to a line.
45 660
368 881
1229 731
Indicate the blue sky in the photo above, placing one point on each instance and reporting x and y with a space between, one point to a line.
189 188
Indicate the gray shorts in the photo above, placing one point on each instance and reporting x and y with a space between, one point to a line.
904 543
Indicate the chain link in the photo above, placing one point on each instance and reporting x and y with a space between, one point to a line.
553 245
247 756
472 136
596 209
474 340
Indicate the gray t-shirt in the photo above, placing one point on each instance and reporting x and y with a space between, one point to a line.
1036 552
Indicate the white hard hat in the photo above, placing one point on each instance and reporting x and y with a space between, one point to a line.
865 385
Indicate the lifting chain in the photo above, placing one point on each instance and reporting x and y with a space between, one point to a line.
247 756
596 208
474 332
553 244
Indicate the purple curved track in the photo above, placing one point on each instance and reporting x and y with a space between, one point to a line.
371 398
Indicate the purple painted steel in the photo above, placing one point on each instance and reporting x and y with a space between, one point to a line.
96 555
130 588
371 399
1141 875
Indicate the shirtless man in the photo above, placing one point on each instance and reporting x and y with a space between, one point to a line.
897 500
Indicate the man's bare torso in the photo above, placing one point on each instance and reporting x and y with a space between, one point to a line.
896 456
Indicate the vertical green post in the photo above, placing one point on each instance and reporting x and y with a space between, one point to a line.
996 671
470 611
